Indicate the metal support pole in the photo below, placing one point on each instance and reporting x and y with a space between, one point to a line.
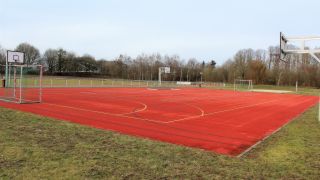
14 83
40 84
9 77
20 99
160 76
6 73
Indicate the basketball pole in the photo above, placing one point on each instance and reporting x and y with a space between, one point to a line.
6 73
159 76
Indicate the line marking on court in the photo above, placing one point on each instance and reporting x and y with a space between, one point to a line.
88 93
217 112
248 122
100 112
271 134
201 110
138 110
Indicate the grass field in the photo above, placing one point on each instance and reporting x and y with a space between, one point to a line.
34 147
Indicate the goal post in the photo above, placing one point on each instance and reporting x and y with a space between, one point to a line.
242 84
23 84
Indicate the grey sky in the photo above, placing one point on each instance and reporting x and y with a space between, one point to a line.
204 29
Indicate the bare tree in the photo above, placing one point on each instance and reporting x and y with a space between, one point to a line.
31 52
51 58
2 55
61 57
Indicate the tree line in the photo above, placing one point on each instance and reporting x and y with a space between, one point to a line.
261 66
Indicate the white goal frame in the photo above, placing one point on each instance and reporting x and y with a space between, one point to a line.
15 88
242 81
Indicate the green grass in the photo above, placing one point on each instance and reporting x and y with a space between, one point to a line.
35 147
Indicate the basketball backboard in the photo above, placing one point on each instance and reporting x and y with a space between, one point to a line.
167 70
15 57
285 50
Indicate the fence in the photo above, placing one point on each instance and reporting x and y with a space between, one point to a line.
56 82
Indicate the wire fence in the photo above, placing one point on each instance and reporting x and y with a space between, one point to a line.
56 82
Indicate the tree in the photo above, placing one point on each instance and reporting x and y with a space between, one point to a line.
2 56
31 53
213 64
61 56
88 63
70 63
51 59
257 71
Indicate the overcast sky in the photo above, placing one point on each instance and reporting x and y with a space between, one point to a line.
204 29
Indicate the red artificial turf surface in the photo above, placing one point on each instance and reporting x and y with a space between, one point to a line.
222 121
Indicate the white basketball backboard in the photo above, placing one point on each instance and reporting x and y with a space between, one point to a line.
15 57
284 51
167 70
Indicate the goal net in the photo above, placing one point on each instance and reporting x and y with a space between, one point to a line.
243 85
23 84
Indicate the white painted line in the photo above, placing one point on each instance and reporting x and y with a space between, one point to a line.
100 112
217 112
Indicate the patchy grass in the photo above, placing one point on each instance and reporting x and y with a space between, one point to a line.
35 147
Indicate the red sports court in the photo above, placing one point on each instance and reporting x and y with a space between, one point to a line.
222 121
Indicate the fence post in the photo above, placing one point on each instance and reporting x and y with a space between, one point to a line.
79 83
91 84
51 83
66 82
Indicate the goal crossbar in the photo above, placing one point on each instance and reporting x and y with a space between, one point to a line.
244 84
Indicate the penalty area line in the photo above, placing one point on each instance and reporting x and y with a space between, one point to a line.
217 112
105 113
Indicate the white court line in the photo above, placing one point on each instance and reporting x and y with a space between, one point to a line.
201 110
217 112
139 110
105 113
274 132
88 93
